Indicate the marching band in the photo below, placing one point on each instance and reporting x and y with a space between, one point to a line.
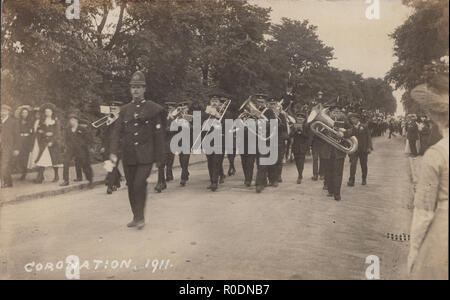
139 134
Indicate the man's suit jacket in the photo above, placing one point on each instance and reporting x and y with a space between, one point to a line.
412 131
140 130
363 135
10 135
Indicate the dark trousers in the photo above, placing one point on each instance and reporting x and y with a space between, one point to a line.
333 175
22 162
300 163
136 176
78 169
262 173
231 158
6 166
248 165
275 170
83 160
318 166
215 167
363 157
412 146
165 168
184 163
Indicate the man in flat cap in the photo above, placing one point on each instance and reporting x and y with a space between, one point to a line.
10 147
77 141
140 131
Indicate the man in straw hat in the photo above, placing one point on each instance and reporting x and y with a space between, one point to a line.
428 256
9 144
140 132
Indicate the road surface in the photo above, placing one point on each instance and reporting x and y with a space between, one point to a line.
290 232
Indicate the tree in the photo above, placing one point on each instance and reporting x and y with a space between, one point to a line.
421 45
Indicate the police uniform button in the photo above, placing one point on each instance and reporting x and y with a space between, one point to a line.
136 133
136 143
146 122
136 124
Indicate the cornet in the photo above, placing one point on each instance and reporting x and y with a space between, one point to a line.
324 127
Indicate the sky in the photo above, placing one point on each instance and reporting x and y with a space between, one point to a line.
360 44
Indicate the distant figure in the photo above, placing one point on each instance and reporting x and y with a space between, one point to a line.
424 135
428 255
412 134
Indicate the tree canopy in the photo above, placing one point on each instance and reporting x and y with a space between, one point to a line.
187 49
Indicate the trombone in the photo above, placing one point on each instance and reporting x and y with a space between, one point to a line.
217 112
112 114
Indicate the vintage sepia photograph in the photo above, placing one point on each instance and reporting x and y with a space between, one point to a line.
224 144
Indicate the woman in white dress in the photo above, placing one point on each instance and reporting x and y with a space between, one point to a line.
428 256
49 139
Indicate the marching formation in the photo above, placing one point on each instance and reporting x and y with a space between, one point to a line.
139 135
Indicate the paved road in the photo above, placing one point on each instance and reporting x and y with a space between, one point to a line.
290 232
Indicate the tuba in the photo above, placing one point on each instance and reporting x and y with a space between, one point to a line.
324 127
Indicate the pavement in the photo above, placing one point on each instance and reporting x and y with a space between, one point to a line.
27 190
290 232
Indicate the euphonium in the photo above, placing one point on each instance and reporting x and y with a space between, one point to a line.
323 127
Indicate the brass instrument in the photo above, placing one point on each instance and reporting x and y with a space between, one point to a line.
214 112
180 112
250 111
112 114
324 127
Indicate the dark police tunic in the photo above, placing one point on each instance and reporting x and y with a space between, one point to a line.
140 129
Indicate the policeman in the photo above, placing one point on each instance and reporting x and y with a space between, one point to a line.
362 133
10 147
301 143
77 142
140 130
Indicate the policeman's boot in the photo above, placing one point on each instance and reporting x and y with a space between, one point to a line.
214 187
351 182
299 180
56 178
364 181
221 179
